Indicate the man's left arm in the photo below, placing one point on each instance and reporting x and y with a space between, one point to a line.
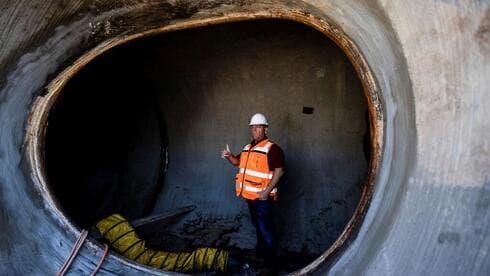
278 172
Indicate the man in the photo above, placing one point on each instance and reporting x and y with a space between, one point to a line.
261 165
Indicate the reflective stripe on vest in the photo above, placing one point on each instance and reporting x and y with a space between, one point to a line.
265 149
254 175
256 190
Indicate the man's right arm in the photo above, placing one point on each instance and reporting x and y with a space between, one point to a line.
233 160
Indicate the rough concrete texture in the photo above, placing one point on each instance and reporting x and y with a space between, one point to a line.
277 68
442 219
429 211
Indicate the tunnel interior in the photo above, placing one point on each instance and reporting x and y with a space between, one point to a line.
139 131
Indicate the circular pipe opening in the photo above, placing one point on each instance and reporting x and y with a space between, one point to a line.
148 127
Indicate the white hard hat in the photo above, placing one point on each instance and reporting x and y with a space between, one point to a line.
258 119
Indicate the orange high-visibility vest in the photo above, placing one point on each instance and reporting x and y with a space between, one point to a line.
254 174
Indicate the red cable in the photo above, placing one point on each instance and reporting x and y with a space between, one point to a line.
106 252
74 251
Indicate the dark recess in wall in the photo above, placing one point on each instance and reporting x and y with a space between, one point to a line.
104 143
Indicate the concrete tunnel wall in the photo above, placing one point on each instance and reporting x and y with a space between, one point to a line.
429 211
274 67
116 117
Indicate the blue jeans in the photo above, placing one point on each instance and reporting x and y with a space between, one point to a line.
261 214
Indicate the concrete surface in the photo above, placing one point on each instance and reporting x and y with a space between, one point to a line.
429 211
277 68
103 141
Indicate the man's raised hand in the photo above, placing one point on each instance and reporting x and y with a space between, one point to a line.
226 152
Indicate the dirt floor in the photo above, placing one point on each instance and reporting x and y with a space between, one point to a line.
207 233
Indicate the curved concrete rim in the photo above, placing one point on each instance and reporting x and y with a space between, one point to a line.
37 122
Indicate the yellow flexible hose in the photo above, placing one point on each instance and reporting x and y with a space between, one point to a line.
122 237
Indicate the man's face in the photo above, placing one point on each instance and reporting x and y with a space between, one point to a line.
258 131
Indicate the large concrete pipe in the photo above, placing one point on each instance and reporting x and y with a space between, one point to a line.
421 67
299 77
